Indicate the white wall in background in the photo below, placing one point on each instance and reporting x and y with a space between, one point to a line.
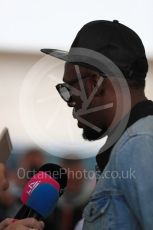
33 24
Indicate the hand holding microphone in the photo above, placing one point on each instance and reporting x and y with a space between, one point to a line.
25 224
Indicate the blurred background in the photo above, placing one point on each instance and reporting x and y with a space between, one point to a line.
40 124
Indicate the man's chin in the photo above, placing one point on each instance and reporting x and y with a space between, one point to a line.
92 135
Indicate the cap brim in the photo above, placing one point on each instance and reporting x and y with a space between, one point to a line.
65 56
87 58
60 54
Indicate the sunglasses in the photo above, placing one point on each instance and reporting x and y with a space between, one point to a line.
66 90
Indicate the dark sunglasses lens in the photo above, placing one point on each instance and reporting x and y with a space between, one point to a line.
65 94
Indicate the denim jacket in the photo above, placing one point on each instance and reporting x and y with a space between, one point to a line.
123 197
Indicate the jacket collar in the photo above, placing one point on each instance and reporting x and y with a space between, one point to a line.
140 110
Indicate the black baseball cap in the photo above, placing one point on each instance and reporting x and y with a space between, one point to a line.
115 41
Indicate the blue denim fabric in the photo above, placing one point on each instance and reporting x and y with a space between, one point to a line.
123 198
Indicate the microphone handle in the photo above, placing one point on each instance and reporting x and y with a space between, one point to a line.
35 215
22 213
25 212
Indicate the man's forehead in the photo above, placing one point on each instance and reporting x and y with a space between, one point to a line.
69 68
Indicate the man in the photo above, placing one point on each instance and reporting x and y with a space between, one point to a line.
104 79
11 224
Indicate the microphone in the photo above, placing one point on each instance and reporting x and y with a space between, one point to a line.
41 193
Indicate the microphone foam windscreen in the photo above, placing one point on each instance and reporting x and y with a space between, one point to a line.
43 199
38 179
